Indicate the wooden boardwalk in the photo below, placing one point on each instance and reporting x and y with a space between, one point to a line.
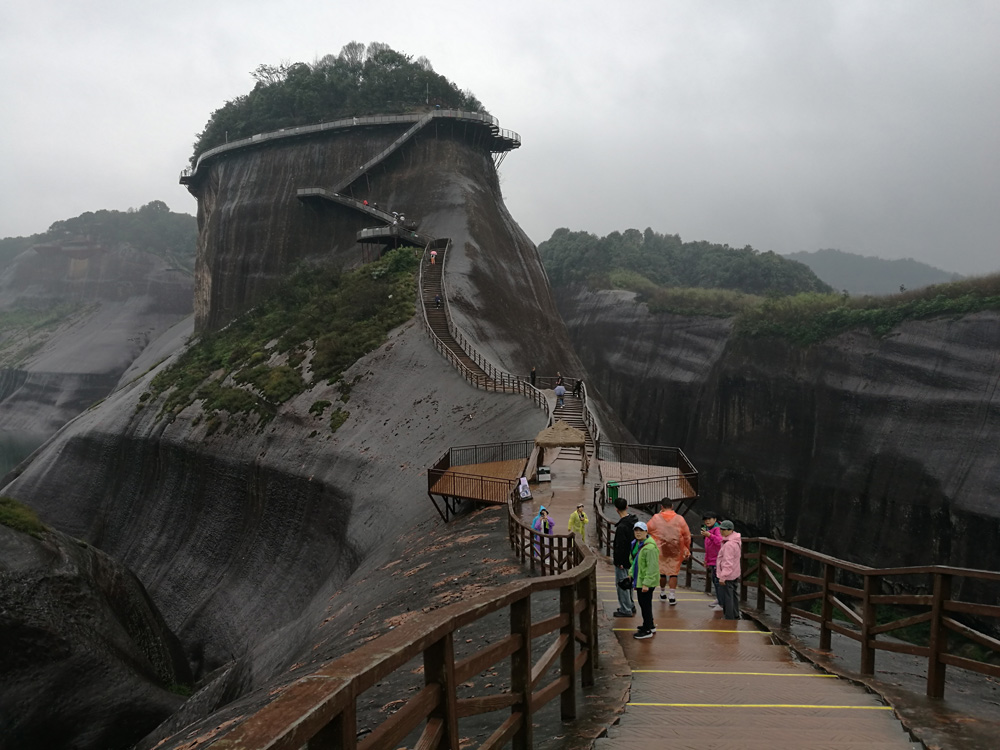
703 682
706 683
473 480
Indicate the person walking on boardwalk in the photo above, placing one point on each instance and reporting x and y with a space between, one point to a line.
673 537
543 524
620 556
578 522
728 569
578 388
645 572
434 255
711 537
560 395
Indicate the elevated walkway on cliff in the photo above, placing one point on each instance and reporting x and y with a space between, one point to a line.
498 140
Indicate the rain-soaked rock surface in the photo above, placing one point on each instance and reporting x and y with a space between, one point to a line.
246 539
86 659
116 302
876 450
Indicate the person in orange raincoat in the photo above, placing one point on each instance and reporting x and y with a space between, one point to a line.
673 537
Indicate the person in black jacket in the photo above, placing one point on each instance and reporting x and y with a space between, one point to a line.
621 552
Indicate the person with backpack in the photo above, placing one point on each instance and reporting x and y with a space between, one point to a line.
621 552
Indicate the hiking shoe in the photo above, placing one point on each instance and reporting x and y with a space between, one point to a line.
717 607
663 596
672 601
616 613
642 634
653 629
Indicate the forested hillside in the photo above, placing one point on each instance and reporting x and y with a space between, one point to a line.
152 228
359 81
860 274
638 260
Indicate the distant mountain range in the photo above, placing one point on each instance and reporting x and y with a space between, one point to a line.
860 274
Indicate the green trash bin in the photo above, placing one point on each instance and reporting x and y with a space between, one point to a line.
612 491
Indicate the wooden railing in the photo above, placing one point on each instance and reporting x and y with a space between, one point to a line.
490 452
498 381
862 603
320 711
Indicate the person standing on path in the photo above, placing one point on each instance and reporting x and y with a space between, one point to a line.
711 537
578 522
728 569
673 537
645 571
434 255
543 525
534 376
620 555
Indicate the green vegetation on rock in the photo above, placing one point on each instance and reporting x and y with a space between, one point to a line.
662 261
318 324
359 81
20 517
152 228
810 318
24 330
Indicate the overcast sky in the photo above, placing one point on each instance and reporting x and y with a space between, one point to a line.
868 126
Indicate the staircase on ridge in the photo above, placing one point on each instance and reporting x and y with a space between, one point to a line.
572 414
437 317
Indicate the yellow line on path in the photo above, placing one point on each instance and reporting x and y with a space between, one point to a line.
713 672
762 705
695 630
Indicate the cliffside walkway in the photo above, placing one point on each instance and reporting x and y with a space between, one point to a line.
499 140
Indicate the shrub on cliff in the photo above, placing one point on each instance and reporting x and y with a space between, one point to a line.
318 324
359 81
665 261
810 318
19 517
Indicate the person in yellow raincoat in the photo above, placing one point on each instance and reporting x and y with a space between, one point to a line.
673 537
578 521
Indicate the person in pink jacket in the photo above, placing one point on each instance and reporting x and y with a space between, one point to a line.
728 568
711 537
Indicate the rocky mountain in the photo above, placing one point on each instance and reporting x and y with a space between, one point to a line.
245 537
75 313
872 449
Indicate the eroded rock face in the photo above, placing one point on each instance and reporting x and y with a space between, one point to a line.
86 658
880 451
118 301
244 537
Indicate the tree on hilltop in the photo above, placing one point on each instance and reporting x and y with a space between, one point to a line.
358 81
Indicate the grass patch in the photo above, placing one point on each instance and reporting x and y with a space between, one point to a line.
20 517
810 318
256 363
337 418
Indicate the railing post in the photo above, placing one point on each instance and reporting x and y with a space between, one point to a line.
871 587
586 591
567 602
761 577
520 672
341 733
786 587
826 609
687 571
439 667
939 636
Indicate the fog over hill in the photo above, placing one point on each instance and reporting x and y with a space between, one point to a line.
862 274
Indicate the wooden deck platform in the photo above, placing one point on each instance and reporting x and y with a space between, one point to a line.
486 482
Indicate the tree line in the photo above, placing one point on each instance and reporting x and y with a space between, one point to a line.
360 80
668 262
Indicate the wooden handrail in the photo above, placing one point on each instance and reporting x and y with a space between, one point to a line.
320 710
780 582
